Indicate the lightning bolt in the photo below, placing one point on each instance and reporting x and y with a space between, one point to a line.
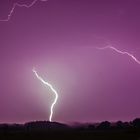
53 90
19 5
121 52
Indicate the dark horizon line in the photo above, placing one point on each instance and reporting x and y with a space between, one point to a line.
70 123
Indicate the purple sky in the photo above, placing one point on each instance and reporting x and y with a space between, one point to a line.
59 38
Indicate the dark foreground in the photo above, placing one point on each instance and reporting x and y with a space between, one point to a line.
43 130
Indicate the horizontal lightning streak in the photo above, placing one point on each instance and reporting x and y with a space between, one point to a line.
53 90
19 5
121 52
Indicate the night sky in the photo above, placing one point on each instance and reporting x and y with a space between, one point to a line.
60 39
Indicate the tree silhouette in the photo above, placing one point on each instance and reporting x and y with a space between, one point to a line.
136 123
104 125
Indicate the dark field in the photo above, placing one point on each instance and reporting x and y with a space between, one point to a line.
43 130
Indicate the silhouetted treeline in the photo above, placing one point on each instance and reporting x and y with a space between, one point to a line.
54 130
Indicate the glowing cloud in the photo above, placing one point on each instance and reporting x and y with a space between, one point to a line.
121 52
53 90
19 5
